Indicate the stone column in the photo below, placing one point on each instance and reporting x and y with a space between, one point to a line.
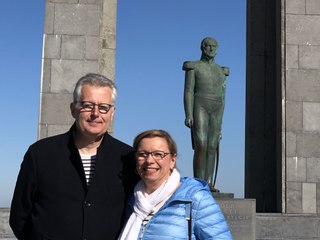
263 105
302 116
79 37
283 106
283 117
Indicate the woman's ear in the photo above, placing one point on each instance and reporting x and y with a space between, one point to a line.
173 162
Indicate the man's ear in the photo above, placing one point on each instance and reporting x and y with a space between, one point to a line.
73 110
112 113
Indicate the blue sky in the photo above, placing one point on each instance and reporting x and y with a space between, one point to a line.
154 38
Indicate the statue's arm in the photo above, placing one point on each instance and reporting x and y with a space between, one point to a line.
188 67
226 71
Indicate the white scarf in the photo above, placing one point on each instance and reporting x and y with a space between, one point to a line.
144 204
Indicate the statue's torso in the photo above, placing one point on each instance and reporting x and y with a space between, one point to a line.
209 79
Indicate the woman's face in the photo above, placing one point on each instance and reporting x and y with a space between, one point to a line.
154 171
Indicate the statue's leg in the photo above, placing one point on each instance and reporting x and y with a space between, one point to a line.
199 163
215 123
200 129
211 155
211 165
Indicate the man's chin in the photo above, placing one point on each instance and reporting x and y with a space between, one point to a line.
96 133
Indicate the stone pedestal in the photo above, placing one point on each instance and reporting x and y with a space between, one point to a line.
217 195
240 215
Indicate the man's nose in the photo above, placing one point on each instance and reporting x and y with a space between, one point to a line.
95 110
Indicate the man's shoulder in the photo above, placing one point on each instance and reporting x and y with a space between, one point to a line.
51 140
50 145
108 139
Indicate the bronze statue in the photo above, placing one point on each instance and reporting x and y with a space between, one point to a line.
204 98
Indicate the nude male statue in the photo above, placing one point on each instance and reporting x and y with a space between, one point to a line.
204 98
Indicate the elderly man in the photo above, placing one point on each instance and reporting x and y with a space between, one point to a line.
204 94
75 185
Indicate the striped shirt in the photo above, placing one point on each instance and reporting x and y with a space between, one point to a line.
89 164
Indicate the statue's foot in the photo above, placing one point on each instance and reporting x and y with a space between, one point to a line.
212 189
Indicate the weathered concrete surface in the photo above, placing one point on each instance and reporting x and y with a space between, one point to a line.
5 230
79 37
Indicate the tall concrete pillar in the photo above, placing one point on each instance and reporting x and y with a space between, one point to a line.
283 113
302 102
263 159
282 169
79 37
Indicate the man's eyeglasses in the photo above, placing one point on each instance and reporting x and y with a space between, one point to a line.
86 106
156 155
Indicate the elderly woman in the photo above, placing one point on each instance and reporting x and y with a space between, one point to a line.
164 205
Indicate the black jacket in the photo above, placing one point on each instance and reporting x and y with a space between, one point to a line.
52 201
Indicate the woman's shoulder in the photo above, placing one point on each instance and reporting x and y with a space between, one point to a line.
194 183
193 187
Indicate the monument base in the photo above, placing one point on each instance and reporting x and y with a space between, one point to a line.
217 195
240 215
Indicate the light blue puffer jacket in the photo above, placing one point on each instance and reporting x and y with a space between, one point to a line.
170 222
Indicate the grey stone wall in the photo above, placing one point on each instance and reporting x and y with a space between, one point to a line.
273 226
289 128
79 37
268 226
283 106
287 226
302 106
5 230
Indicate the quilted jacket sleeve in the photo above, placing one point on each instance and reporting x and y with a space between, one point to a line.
208 220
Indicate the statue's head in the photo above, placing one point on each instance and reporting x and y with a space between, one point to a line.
209 48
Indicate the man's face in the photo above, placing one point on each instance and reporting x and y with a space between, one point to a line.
210 49
93 123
